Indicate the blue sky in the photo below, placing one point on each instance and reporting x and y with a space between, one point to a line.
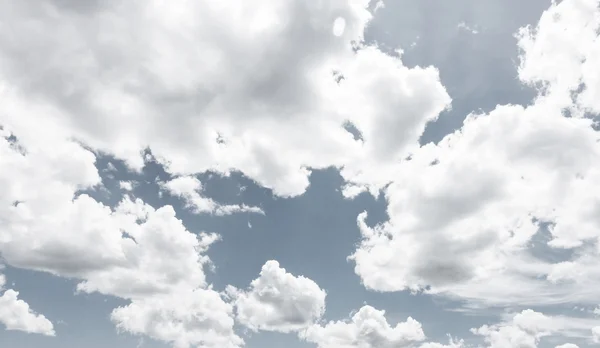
181 174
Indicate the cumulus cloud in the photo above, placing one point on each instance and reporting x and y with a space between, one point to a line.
126 185
596 334
132 251
452 344
278 301
368 328
566 37
200 109
197 318
15 314
527 328
174 83
195 83
463 212
189 188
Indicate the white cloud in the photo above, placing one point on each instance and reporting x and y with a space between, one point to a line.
463 212
278 301
196 109
563 52
527 328
121 78
465 26
126 185
189 188
596 334
15 314
567 345
166 76
133 251
368 328
452 344
110 167
159 255
200 109
198 318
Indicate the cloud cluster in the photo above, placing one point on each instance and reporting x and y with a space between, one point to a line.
15 314
189 188
194 82
527 328
133 251
367 328
177 83
463 212
278 301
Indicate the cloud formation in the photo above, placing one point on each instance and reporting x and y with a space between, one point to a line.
463 212
175 86
190 188
278 301
15 314
367 328
193 83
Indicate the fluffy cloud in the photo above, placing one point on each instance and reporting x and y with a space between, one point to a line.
194 82
172 84
126 185
368 328
159 254
189 188
73 84
527 328
15 314
596 334
452 344
563 51
463 212
278 301
175 84
198 318
133 251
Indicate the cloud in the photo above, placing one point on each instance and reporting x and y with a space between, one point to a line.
466 27
527 328
278 301
596 334
189 188
126 185
566 37
132 251
175 84
195 83
463 212
452 344
15 314
368 328
198 318
119 79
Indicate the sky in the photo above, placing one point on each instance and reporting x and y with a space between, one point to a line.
302 174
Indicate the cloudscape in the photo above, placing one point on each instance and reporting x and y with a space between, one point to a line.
299 174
